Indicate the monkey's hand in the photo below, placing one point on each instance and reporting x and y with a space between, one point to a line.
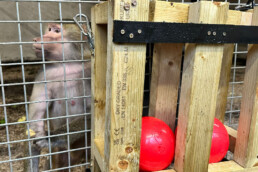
43 143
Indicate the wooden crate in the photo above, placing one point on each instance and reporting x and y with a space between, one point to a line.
118 80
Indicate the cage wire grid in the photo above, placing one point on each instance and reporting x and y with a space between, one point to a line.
11 159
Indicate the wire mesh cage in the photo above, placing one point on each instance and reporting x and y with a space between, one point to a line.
20 22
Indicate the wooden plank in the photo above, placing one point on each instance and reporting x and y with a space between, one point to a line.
246 150
100 146
101 11
201 72
125 80
165 80
234 18
170 170
254 169
99 154
166 67
168 12
228 166
232 138
98 85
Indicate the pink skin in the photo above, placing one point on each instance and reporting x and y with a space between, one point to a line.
52 34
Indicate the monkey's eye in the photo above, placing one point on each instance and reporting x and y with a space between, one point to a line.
57 30
49 29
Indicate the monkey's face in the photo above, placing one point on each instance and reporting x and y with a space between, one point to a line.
53 49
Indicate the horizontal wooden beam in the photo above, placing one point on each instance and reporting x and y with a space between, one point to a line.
232 138
225 166
165 11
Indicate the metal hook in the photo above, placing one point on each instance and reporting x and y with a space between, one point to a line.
249 5
88 33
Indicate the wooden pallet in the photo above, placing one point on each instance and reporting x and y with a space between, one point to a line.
118 80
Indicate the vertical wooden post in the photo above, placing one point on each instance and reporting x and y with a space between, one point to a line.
246 151
234 18
98 80
125 80
166 66
201 72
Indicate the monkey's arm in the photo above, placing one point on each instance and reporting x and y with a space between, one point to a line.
37 109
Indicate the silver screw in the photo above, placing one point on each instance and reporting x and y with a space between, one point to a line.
131 35
139 31
209 33
122 31
214 33
224 34
127 6
134 3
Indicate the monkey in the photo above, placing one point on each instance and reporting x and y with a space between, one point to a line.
60 92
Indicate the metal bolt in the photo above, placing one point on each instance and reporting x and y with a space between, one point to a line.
209 32
224 34
139 31
122 31
131 35
127 6
134 3
214 33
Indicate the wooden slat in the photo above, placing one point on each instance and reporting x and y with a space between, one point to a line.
232 138
101 13
125 80
253 169
170 170
234 18
168 12
246 150
166 65
98 85
201 73
226 166
99 154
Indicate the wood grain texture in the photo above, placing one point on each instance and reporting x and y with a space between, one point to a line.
101 11
200 82
165 80
225 166
125 80
98 86
232 138
162 11
166 67
234 18
246 150
98 155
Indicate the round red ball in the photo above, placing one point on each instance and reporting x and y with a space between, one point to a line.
219 142
157 145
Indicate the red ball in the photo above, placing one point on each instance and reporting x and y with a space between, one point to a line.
157 145
219 142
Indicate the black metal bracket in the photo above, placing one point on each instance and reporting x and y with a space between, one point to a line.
161 32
